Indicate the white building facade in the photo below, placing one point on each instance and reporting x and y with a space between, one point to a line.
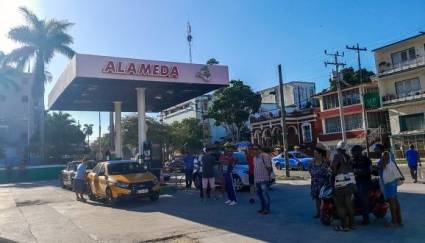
195 108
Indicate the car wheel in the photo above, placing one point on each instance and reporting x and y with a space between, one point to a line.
237 183
109 200
154 196
90 192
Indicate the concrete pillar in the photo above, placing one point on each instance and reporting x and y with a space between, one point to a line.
118 135
141 109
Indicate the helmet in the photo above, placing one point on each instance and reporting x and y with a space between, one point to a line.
341 145
378 147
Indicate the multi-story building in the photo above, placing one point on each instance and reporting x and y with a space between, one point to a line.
195 108
16 123
296 94
301 125
328 115
401 78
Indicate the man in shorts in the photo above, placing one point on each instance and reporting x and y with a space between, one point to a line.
208 177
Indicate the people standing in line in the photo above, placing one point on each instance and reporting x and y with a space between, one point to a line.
413 160
262 172
387 165
188 160
208 178
80 181
362 167
228 161
250 162
344 187
319 174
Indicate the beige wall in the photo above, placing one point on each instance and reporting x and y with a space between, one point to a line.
385 54
394 114
387 84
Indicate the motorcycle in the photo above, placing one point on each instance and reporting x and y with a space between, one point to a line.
377 205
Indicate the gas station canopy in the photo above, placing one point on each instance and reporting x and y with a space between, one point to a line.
93 83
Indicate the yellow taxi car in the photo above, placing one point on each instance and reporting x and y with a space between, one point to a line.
114 180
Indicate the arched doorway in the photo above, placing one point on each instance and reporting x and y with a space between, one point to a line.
277 139
267 137
292 137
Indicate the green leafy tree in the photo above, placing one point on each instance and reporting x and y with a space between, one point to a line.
41 39
212 61
351 76
63 136
186 135
232 106
88 131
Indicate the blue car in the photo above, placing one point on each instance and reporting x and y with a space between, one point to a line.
297 160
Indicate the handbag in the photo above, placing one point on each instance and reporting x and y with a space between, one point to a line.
392 173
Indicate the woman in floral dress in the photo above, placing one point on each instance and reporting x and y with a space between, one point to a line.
319 172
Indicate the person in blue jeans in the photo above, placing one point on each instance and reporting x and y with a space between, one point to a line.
413 159
262 170
228 161
188 160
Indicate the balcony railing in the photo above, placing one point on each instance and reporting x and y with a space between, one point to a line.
389 99
388 68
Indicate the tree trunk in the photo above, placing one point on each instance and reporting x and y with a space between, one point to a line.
38 92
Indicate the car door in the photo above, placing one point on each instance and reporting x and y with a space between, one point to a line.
100 181
292 161
68 172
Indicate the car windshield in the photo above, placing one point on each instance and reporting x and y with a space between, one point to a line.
125 168
299 155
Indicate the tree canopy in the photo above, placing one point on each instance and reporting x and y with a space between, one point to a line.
63 136
212 61
232 106
351 76
8 74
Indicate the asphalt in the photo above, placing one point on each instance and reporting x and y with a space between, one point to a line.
43 212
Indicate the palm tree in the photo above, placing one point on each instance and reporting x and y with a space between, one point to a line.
41 39
8 74
88 131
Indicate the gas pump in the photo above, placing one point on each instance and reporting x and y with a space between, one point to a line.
151 158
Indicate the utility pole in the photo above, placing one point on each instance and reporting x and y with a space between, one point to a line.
283 121
189 40
358 49
337 64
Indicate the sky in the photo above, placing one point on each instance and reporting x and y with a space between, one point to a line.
252 37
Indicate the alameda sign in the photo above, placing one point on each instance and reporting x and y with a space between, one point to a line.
141 69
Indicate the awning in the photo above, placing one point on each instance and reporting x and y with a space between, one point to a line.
93 83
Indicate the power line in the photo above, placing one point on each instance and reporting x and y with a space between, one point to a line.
358 49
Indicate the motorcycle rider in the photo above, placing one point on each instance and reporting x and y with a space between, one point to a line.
362 167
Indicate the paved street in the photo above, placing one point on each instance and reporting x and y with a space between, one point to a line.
43 212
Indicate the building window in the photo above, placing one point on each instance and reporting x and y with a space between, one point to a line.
306 129
351 97
333 125
353 122
330 101
403 56
407 87
25 98
413 122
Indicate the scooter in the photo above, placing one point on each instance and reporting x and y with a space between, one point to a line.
377 205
